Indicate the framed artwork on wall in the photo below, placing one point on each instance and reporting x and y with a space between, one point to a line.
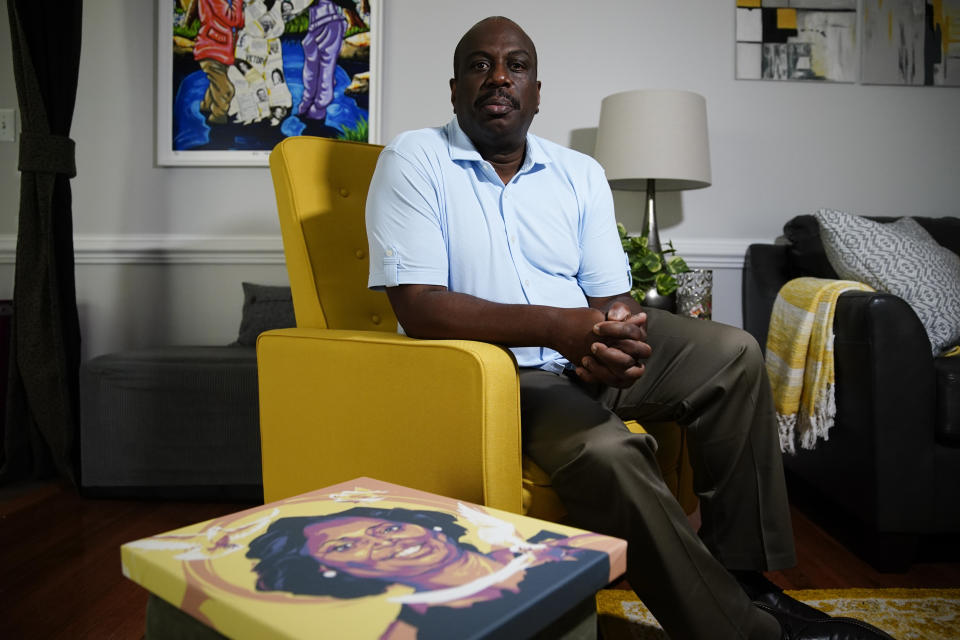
797 40
234 77
911 42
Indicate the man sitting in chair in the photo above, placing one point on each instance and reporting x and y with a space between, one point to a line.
481 231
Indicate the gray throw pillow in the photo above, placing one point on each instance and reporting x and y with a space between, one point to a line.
265 307
900 258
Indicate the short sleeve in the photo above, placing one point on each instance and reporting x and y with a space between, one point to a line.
404 225
604 269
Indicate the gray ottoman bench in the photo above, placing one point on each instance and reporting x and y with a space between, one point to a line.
179 422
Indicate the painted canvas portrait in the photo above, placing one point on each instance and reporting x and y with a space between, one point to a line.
379 560
238 76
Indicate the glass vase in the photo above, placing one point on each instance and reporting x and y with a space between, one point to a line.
695 293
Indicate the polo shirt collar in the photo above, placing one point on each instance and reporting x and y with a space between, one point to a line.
461 148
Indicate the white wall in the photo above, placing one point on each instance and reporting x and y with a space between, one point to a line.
162 251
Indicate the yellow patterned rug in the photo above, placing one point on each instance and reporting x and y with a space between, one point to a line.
906 614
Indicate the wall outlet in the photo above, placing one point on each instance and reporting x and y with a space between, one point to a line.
8 125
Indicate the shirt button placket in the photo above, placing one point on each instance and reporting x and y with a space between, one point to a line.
509 224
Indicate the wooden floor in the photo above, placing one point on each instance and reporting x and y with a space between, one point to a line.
60 562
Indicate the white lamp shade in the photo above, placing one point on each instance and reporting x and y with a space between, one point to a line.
659 134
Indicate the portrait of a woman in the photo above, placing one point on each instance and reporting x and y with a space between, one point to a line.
363 551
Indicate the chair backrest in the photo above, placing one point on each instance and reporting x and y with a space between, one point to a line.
321 186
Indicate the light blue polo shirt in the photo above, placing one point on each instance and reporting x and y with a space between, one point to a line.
437 213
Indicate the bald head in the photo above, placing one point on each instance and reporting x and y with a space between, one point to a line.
468 40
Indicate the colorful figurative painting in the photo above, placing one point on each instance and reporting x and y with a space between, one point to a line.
237 76
911 42
369 559
797 40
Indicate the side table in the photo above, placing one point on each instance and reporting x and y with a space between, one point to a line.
369 559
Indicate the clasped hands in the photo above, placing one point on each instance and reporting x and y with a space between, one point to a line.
613 351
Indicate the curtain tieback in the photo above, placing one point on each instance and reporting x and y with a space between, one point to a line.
47 153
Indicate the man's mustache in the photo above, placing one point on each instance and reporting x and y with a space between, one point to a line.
500 94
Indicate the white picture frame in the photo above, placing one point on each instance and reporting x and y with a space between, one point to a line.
181 86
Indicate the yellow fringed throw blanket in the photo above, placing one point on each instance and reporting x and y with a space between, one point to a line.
799 358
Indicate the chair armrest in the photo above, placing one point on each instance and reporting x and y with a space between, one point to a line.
886 400
764 272
437 415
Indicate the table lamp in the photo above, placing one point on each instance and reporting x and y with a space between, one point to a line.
654 139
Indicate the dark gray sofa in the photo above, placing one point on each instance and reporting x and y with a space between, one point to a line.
892 464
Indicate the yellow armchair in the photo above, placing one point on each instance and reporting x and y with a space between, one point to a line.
343 395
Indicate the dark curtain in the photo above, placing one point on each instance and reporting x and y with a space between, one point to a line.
40 436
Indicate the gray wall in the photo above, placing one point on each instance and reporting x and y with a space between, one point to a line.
162 251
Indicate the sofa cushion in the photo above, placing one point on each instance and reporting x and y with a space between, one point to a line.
946 231
807 257
900 258
265 307
805 254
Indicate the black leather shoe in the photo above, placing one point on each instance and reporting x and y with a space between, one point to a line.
782 602
793 628
759 589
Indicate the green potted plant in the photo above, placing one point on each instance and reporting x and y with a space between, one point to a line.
654 272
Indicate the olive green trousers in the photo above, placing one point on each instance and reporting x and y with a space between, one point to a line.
709 378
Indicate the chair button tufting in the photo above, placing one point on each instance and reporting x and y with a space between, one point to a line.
375 319
343 192
361 254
